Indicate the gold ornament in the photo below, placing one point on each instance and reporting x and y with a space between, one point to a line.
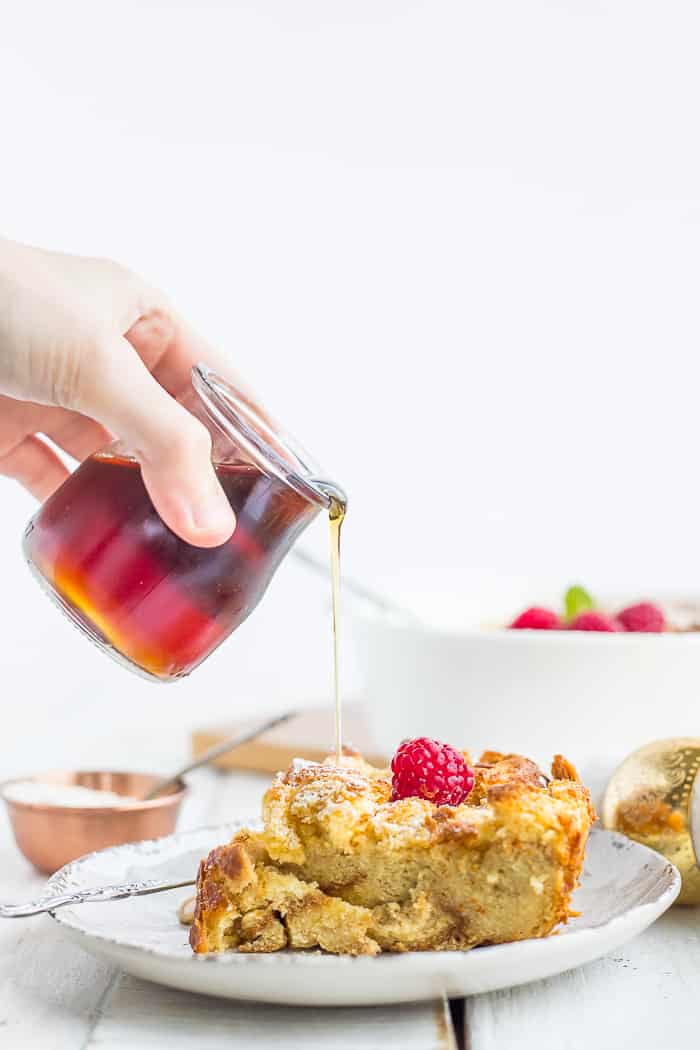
650 799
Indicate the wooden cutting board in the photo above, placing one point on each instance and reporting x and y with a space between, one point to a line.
310 735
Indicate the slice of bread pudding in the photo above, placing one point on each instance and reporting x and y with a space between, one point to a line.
340 866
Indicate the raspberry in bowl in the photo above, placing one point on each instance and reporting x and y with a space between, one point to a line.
581 613
645 616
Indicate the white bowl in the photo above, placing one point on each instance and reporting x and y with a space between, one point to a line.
591 696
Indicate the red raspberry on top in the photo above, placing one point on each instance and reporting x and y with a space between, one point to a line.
425 768
537 619
593 621
643 617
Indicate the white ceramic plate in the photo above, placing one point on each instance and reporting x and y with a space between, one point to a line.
624 887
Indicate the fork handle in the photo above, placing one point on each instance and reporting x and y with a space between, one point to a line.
96 893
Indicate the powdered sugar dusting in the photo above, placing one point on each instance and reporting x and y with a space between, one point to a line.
327 785
302 763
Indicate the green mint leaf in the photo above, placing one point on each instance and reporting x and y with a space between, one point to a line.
577 600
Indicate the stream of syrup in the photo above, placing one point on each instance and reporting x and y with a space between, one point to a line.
336 516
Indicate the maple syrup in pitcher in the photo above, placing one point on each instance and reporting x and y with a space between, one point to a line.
143 594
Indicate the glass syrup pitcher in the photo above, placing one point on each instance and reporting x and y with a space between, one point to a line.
143 595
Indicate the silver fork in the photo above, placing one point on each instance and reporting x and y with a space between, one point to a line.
96 893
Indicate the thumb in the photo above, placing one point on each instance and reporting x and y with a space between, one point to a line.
171 445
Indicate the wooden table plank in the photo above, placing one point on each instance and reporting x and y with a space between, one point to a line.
49 988
149 1017
644 996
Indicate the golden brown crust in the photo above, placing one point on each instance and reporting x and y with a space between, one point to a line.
562 769
342 867
491 757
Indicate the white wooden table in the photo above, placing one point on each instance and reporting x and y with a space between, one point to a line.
53 995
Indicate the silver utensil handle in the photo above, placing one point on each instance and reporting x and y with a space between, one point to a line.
95 893
217 750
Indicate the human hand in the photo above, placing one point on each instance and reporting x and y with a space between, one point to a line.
89 351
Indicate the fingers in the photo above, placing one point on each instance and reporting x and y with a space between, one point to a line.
77 434
34 465
169 348
173 448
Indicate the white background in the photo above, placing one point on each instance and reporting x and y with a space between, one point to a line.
453 245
